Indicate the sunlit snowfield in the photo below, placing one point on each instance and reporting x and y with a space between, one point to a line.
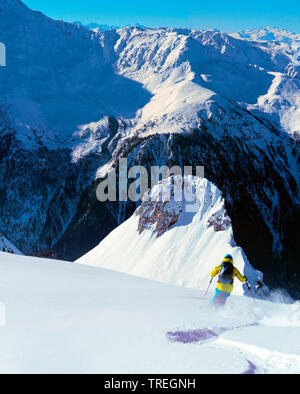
68 318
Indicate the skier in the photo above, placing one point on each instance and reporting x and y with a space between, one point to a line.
227 272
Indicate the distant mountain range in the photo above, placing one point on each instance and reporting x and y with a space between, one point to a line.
103 27
269 34
97 27
259 34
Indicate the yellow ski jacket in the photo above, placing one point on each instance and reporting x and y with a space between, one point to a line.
228 288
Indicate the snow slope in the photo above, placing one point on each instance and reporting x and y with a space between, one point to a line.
174 242
70 318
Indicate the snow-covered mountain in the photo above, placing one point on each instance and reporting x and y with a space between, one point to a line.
70 318
98 28
8 247
74 101
282 36
172 241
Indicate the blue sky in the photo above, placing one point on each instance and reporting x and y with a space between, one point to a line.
225 15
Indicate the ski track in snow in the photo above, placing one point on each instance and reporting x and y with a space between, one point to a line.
251 370
200 336
260 359
204 335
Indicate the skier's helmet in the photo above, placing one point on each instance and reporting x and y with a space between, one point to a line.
228 256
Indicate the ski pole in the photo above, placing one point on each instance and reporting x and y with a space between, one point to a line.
249 288
209 286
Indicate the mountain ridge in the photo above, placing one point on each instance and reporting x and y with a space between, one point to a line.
175 240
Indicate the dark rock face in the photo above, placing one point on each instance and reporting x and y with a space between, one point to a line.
38 192
42 193
92 222
157 211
